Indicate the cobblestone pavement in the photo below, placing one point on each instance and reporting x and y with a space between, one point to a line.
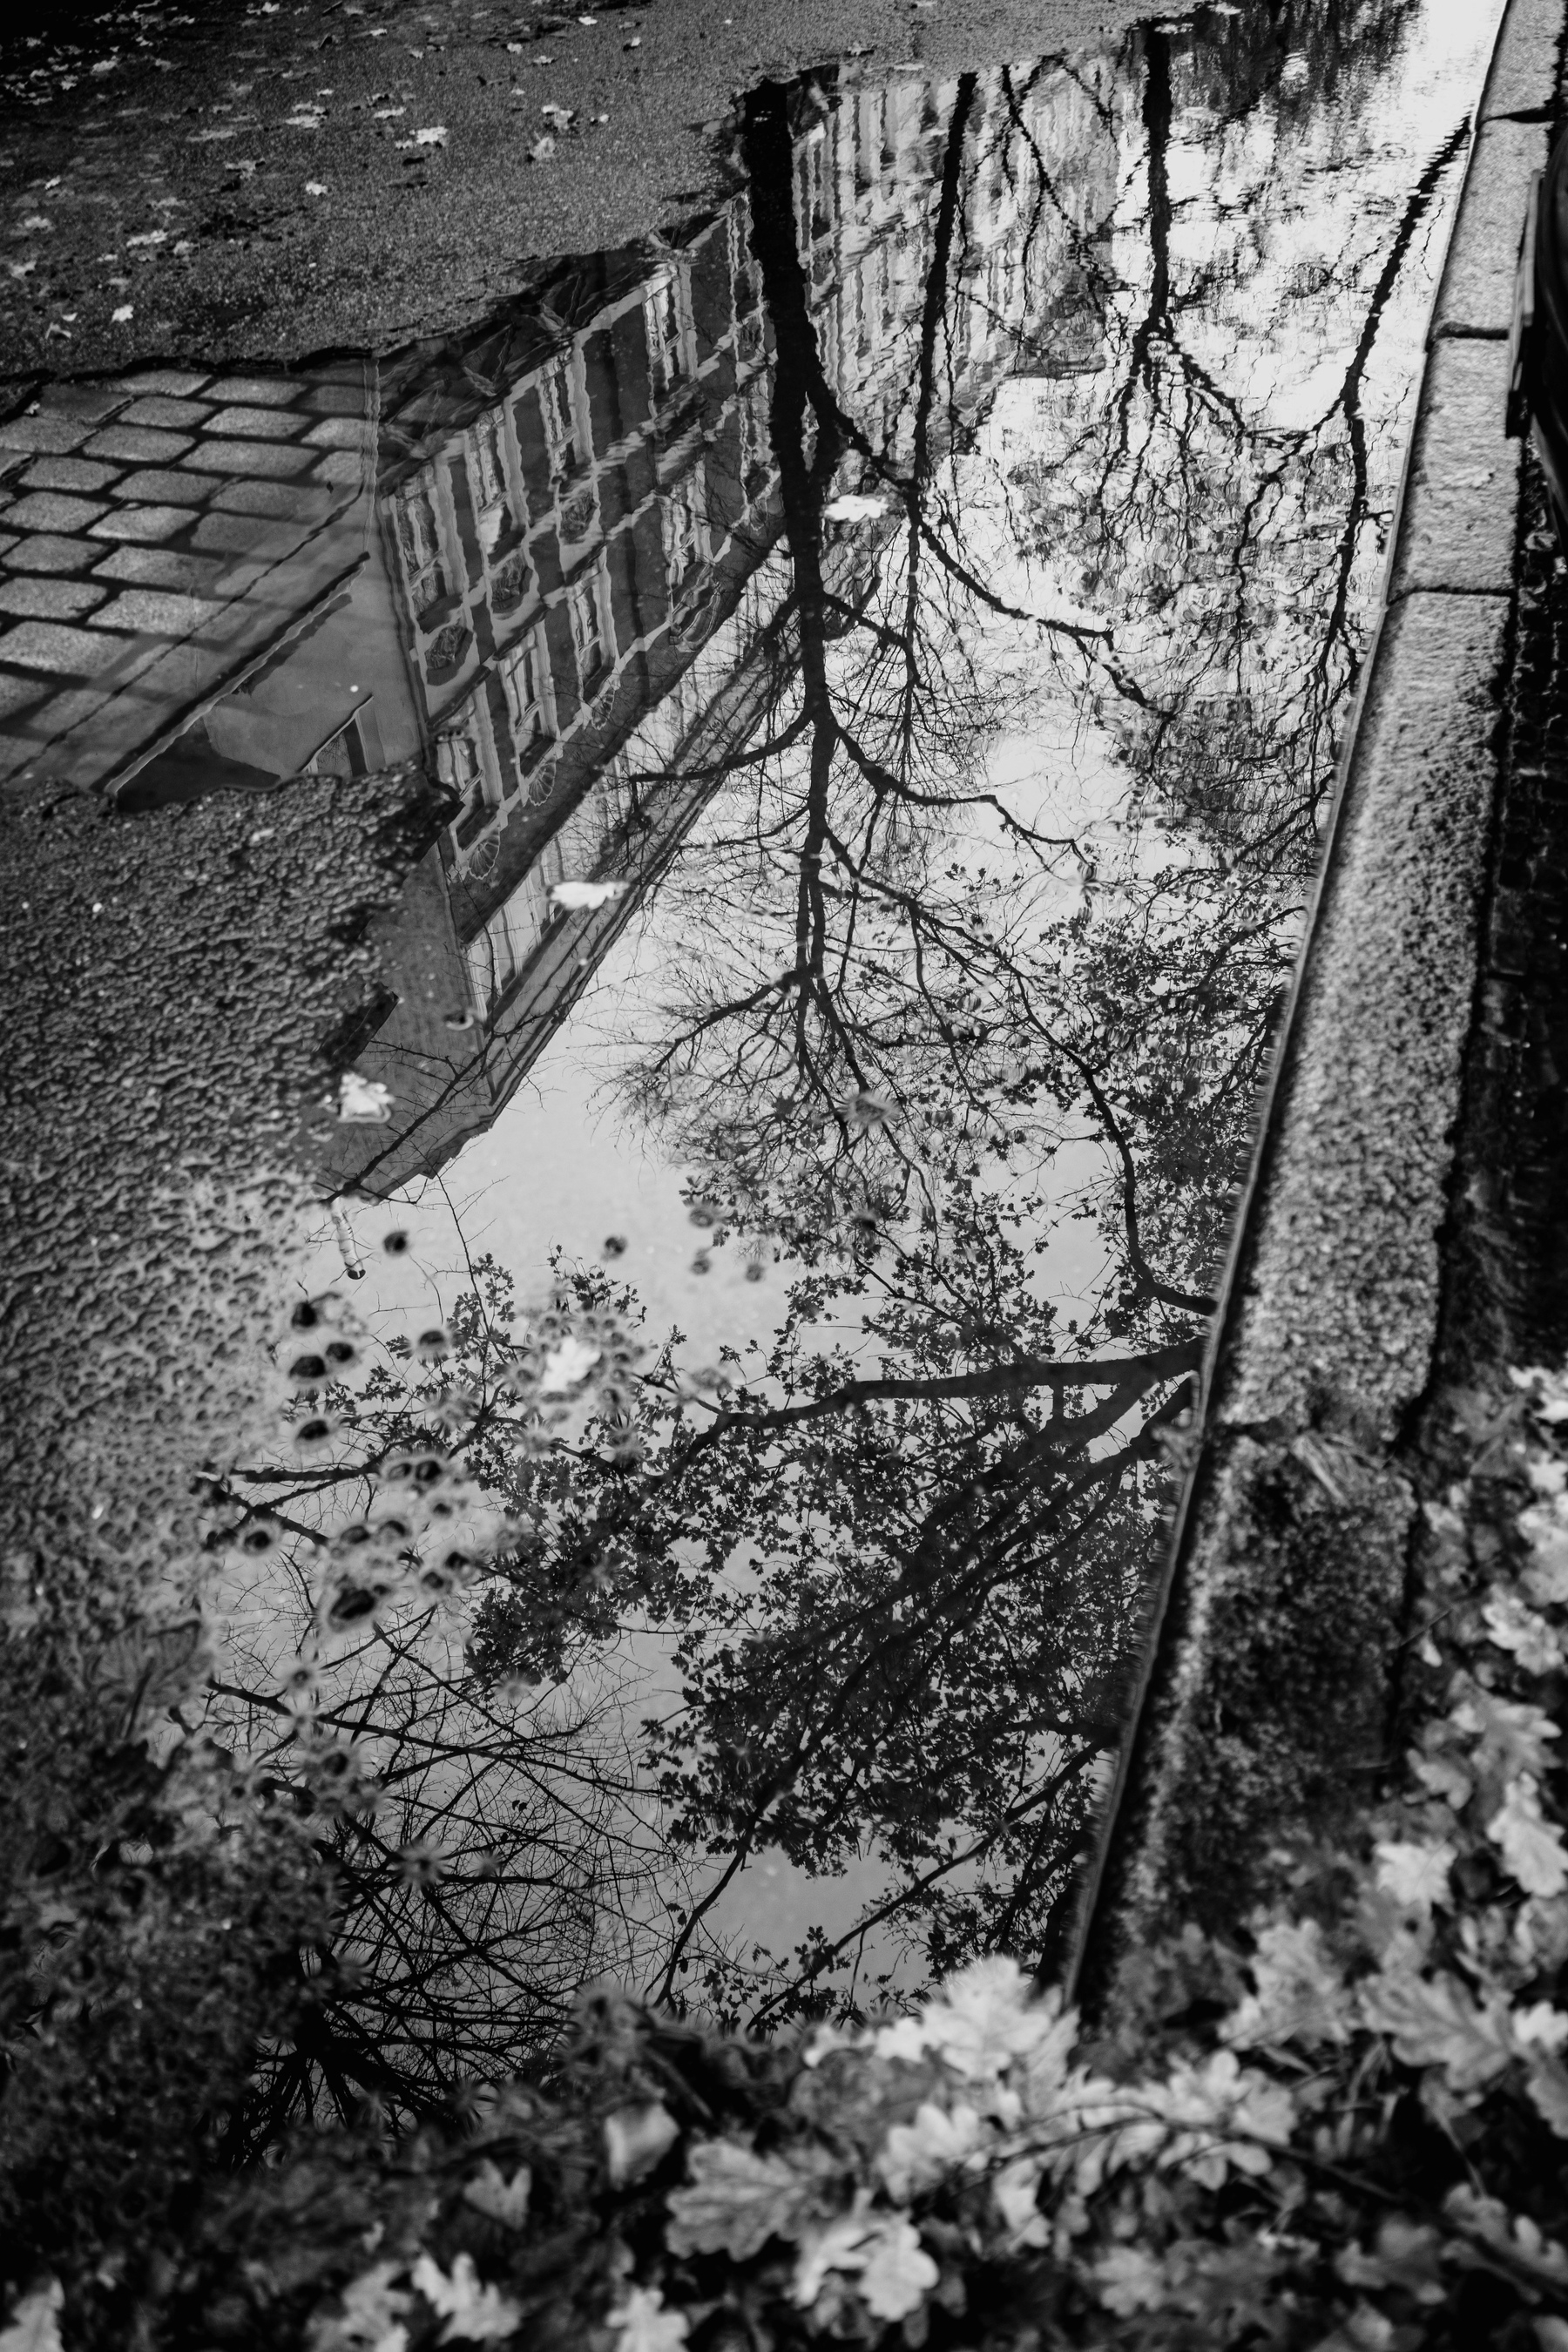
156 533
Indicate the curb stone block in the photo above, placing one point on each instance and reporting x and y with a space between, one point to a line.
1370 1090
1523 77
1476 297
1461 484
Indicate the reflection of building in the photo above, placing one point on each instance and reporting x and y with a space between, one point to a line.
558 594
566 554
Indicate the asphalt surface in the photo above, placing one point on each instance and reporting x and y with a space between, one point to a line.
259 183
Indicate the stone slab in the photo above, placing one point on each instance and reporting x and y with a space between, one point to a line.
1458 515
1523 77
1475 296
1338 1295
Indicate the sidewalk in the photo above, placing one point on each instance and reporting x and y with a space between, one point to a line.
1383 1277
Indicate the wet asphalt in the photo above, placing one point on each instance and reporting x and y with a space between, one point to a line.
265 181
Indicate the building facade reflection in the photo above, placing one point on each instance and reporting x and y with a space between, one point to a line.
541 563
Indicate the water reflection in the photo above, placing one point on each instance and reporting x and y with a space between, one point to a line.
921 603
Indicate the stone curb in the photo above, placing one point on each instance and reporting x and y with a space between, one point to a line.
1266 1683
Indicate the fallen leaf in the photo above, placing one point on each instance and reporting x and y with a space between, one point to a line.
1513 1734
1416 1875
474 2313
118 317
435 136
491 2193
1433 2022
636 2137
1547 2083
641 2323
1531 1846
736 2200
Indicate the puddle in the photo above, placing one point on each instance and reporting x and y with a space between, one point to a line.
881 655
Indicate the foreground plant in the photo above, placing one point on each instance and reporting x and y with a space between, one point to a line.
1352 2137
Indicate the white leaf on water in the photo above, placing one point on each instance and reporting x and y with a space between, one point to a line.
558 117
539 153
435 136
852 506
578 897
118 317
362 1102
315 188
567 1367
149 237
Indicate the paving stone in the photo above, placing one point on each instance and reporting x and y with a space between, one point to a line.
140 444
50 511
236 533
340 433
153 611
337 400
92 402
170 414
257 391
164 567
49 553
64 652
47 436
62 712
260 424
42 598
341 465
67 473
17 693
177 381
281 501
269 459
165 484
141 522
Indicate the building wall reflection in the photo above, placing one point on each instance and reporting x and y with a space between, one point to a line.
597 614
